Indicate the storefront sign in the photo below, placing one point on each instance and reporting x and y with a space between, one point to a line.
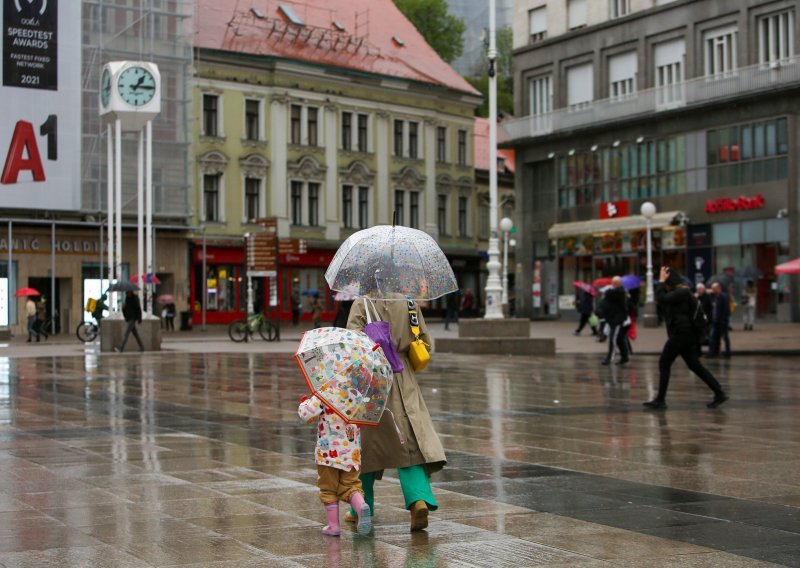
37 245
741 203
40 126
613 209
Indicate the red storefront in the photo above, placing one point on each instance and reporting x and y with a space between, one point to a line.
227 283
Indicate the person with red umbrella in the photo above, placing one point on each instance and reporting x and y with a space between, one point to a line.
30 311
585 308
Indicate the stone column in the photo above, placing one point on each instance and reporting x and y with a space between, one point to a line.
331 204
382 186
430 225
279 189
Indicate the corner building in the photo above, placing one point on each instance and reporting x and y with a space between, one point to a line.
690 104
326 116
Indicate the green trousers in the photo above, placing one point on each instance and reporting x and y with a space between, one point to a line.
414 482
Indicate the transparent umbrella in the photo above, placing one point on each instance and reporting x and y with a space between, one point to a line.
386 260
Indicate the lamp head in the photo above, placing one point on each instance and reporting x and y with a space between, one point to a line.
506 224
648 209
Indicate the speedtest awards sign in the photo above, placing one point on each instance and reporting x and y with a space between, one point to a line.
40 128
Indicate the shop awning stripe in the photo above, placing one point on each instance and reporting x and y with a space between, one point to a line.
632 223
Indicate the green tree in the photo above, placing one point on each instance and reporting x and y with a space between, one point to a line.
443 31
505 79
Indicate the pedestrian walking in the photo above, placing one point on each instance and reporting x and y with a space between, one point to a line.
707 306
132 310
749 303
416 451
680 309
315 306
30 311
452 304
338 459
585 307
615 312
41 318
297 306
467 303
168 313
720 322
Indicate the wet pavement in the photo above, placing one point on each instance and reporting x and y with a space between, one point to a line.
187 458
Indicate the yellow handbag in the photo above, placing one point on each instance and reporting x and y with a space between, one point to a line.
418 352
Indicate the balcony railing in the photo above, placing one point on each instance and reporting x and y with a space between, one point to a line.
744 81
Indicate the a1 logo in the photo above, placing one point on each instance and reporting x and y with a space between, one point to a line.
611 209
23 152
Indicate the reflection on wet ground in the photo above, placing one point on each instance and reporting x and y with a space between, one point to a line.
179 459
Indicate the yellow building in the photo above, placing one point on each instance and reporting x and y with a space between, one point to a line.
328 121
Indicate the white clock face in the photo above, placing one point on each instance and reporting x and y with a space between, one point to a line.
136 86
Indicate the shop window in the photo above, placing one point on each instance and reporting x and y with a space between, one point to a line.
753 232
224 287
777 230
726 234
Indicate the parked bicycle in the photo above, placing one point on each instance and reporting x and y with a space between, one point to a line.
241 330
87 331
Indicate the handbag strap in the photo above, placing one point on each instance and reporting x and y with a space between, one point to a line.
367 305
413 318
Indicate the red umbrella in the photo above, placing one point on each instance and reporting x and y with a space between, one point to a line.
585 287
26 292
791 267
600 282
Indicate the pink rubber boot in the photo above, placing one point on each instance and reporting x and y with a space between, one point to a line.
332 511
362 510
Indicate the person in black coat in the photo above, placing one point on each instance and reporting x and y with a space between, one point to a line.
720 322
340 319
615 311
585 309
678 306
132 310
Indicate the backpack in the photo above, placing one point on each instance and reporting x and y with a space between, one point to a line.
699 319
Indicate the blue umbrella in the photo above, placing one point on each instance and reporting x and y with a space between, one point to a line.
631 281
310 292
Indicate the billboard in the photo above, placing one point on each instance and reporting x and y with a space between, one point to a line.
40 126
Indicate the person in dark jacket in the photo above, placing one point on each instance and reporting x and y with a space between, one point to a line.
678 306
132 310
615 312
342 313
707 305
720 322
585 309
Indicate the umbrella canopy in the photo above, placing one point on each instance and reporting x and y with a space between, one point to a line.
585 287
791 267
310 292
166 299
631 282
347 371
26 292
389 259
601 282
123 286
148 279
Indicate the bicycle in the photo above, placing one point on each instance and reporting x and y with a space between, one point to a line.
87 331
241 330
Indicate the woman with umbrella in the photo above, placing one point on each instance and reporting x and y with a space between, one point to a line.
417 452
391 264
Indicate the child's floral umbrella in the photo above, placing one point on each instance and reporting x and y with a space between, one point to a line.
347 371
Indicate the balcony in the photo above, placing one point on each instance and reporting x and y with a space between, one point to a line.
745 81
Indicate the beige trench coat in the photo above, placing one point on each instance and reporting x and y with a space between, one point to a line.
380 447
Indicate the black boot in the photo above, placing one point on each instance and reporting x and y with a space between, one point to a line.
655 404
719 398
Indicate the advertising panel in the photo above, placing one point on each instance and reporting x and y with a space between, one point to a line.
40 127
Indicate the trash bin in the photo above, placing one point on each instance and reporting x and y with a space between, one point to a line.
186 320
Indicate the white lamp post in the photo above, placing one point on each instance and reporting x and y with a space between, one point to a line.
494 289
250 309
505 225
648 210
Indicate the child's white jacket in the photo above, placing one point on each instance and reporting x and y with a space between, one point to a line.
338 443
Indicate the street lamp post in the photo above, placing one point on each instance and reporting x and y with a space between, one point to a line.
505 225
250 308
494 289
648 210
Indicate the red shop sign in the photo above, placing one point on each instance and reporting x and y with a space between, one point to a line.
613 209
741 203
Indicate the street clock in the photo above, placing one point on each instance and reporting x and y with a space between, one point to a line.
131 92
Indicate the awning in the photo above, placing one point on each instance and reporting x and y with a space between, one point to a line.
632 223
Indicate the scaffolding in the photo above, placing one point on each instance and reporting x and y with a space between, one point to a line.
159 31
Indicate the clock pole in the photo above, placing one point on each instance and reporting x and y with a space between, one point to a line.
140 216
112 304
148 179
